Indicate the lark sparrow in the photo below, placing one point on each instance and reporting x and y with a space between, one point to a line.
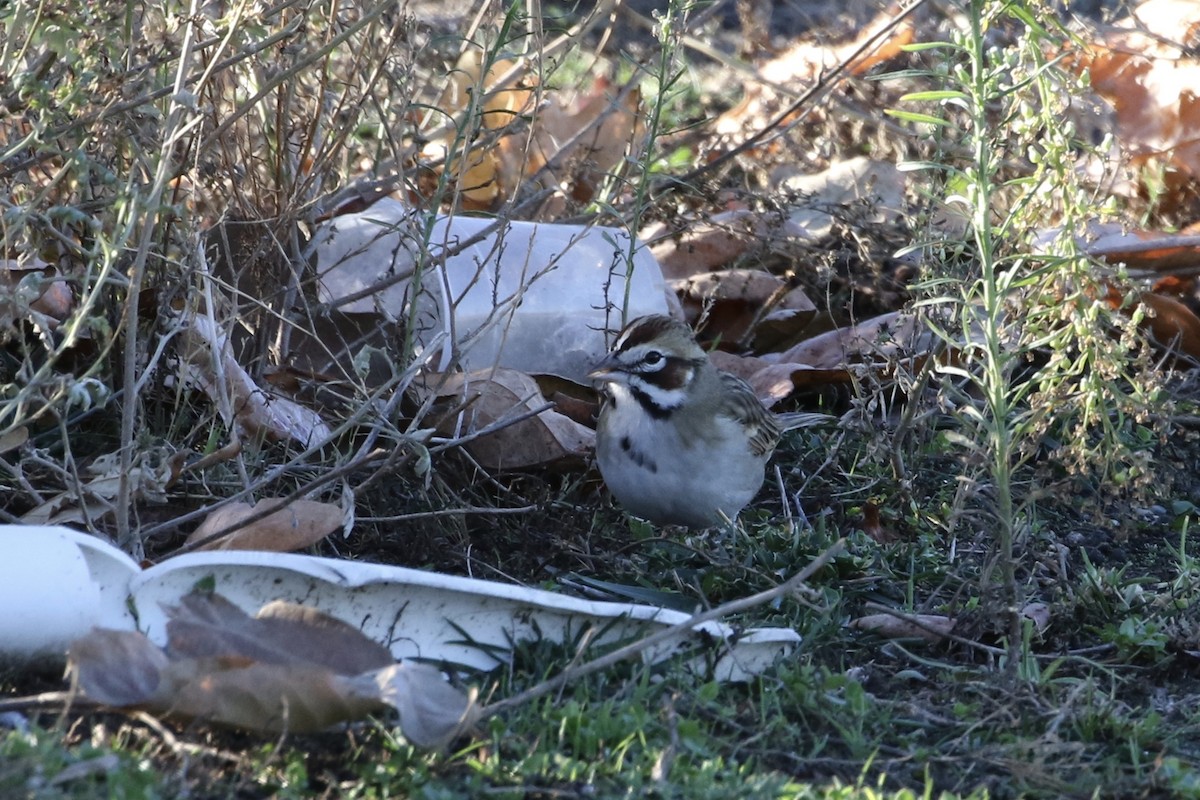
678 440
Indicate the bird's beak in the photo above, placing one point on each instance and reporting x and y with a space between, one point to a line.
603 368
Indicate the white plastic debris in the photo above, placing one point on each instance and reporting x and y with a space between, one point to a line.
535 297
56 584
48 593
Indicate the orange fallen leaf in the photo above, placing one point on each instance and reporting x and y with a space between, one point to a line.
1171 324
802 64
299 524
1150 84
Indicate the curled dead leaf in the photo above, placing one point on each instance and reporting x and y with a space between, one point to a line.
489 397
872 525
432 712
774 382
580 141
703 246
1149 81
153 472
13 438
289 668
264 697
1171 324
894 335
36 288
208 356
805 62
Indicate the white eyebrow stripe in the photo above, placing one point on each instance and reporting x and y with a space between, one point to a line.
624 337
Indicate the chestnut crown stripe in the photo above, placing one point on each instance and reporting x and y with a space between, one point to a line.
644 331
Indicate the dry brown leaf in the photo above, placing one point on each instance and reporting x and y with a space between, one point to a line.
577 142
504 88
732 302
34 285
1176 286
1170 20
1171 324
288 669
872 525
893 335
783 326
719 241
1150 84
773 382
300 524
776 382
930 627
500 394
348 651
874 189
474 168
703 246
153 472
208 356
117 668
209 626
754 286
570 399
806 61
13 438
265 697
1153 251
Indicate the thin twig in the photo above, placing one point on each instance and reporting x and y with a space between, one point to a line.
449 512
826 83
177 124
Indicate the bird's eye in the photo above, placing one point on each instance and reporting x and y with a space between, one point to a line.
652 358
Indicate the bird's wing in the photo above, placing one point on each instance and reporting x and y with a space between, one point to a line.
738 402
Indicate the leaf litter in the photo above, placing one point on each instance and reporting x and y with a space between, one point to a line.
287 668
1142 80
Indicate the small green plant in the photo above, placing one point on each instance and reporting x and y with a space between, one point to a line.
1138 637
1030 353
39 763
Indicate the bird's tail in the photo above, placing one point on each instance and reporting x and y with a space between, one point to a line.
802 419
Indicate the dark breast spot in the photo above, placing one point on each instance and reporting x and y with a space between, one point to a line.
638 457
